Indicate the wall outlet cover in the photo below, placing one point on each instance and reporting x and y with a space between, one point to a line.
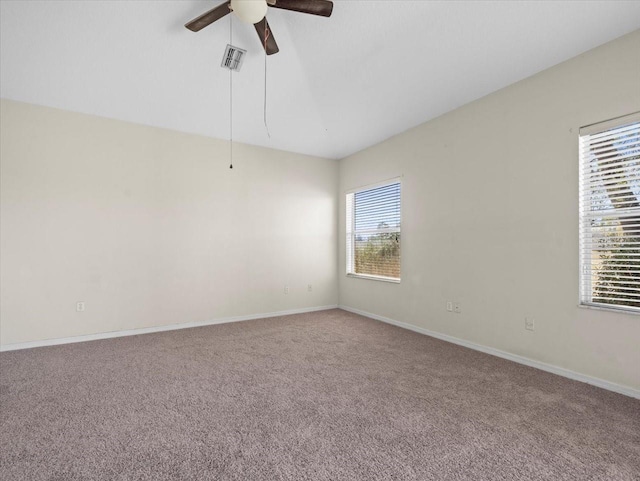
529 323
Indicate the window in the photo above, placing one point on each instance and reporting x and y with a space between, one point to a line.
373 232
610 214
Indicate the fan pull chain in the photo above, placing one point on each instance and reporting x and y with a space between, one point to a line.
266 36
230 98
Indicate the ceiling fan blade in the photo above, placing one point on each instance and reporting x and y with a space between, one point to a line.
262 27
209 17
315 7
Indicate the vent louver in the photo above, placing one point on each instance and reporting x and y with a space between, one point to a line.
233 57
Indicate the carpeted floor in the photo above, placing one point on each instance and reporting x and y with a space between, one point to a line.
320 396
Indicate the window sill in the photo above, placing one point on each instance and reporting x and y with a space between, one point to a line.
375 278
621 310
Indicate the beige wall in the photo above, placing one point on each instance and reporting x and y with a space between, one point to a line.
149 227
490 218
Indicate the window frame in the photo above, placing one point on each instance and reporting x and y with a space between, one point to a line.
350 231
585 289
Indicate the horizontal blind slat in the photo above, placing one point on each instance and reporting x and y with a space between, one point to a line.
630 158
621 130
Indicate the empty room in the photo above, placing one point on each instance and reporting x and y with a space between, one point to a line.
319 240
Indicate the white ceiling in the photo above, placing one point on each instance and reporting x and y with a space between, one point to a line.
338 85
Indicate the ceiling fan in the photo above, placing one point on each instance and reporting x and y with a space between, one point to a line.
254 11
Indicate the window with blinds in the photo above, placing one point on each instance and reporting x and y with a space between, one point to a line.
373 232
610 214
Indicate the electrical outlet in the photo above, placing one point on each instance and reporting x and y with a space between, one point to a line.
286 289
79 306
449 306
310 288
456 308
529 324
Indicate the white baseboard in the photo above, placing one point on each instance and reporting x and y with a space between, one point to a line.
610 386
148 330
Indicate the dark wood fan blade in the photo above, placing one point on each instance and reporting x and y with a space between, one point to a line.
315 7
263 29
209 17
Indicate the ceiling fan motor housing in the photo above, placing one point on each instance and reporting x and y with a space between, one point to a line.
250 11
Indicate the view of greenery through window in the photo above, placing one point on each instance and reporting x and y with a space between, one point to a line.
619 286
379 255
612 178
376 250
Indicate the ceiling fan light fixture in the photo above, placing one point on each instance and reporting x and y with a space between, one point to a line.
250 11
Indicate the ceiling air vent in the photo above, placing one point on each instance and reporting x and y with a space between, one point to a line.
233 57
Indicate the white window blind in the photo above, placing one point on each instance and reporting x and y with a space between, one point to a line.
610 214
373 232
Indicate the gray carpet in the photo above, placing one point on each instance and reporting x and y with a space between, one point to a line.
320 396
